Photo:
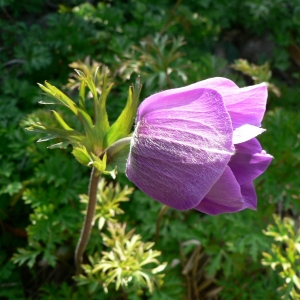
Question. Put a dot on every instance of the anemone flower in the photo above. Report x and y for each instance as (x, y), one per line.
(195, 147)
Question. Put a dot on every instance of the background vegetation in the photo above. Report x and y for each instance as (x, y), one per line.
(248, 255)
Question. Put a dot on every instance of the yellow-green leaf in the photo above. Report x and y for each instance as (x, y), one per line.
(122, 126)
(61, 121)
(82, 155)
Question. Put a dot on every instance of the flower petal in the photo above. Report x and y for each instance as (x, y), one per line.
(155, 100)
(249, 196)
(224, 197)
(245, 133)
(181, 145)
(249, 161)
(245, 105)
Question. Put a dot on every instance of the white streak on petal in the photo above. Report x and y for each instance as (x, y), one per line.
(245, 133)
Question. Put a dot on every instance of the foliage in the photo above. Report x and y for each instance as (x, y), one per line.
(89, 148)
(109, 198)
(281, 187)
(54, 218)
(285, 255)
(157, 59)
(257, 73)
(124, 263)
(42, 193)
(126, 259)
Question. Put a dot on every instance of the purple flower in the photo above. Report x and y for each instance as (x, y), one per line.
(195, 146)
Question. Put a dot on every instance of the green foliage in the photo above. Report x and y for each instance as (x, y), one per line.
(109, 199)
(90, 148)
(65, 291)
(158, 60)
(127, 263)
(54, 216)
(10, 281)
(284, 255)
(257, 73)
(281, 186)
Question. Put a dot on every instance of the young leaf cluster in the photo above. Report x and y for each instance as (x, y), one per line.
(109, 198)
(89, 147)
(127, 263)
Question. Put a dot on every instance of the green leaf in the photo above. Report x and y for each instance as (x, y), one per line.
(82, 95)
(118, 158)
(48, 137)
(99, 164)
(214, 264)
(119, 161)
(122, 126)
(101, 117)
(81, 155)
(58, 95)
(61, 145)
(73, 135)
(89, 82)
(93, 141)
(13, 188)
(61, 121)
(24, 255)
(95, 75)
(46, 102)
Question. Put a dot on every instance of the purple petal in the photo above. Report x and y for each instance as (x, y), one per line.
(224, 197)
(245, 105)
(249, 161)
(249, 196)
(215, 83)
(156, 99)
(181, 145)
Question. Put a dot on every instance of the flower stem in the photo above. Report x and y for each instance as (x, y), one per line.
(88, 221)
(90, 212)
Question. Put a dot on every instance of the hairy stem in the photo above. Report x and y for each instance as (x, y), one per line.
(88, 221)
(90, 212)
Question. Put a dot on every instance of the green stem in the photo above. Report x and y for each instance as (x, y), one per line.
(88, 221)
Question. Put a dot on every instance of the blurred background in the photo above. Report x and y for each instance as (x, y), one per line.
(139, 249)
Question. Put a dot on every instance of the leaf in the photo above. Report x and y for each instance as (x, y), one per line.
(73, 135)
(59, 96)
(61, 145)
(93, 141)
(81, 155)
(99, 164)
(89, 82)
(215, 264)
(118, 159)
(101, 117)
(61, 121)
(82, 95)
(46, 102)
(122, 126)
(24, 256)
(12, 188)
